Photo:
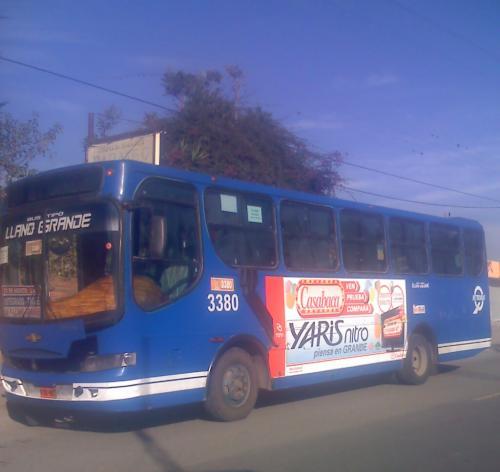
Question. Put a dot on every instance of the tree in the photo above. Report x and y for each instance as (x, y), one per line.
(212, 132)
(152, 121)
(20, 143)
(107, 120)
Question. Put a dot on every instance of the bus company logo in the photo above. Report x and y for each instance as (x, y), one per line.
(317, 298)
(420, 285)
(478, 299)
(33, 337)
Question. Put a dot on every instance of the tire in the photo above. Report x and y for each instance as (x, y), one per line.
(232, 387)
(417, 365)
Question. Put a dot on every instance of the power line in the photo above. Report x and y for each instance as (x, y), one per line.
(419, 202)
(140, 75)
(147, 102)
(421, 182)
(86, 83)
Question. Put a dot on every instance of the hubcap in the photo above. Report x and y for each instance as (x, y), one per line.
(236, 385)
(419, 360)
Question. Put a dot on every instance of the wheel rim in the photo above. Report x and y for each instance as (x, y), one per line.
(236, 384)
(419, 360)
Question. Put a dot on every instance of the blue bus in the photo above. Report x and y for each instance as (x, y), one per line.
(128, 287)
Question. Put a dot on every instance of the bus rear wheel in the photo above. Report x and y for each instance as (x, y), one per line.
(232, 386)
(418, 362)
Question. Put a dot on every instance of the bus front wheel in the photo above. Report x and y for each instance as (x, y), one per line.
(232, 386)
(418, 362)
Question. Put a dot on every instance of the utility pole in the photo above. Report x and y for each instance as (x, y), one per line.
(90, 133)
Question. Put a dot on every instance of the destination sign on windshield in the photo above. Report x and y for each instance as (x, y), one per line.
(55, 222)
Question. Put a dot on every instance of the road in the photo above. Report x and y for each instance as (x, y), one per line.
(450, 423)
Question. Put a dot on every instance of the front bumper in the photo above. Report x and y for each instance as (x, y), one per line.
(106, 391)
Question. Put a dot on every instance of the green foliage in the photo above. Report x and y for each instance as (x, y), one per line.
(20, 143)
(210, 132)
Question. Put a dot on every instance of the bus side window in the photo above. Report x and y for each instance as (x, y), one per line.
(446, 251)
(474, 251)
(309, 238)
(408, 248)
(241, 227)
(363, 241)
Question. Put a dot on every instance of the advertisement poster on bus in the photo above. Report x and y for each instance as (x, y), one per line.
(323, 323)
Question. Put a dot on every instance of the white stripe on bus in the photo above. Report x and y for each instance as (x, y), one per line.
(113, 390)
(128, 383)
(467, 345)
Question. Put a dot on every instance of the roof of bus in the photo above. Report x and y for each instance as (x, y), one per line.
(135, 167)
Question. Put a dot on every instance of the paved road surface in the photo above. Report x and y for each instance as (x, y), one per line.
(450, 423)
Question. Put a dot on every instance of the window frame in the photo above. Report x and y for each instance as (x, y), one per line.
(231, 191)
(334, 219)
(480, 231)
(96, 320)
(460, 248)
(386, 255)
(137, 202)
(425, 245)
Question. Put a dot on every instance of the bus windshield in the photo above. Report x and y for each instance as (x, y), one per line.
(59, 262)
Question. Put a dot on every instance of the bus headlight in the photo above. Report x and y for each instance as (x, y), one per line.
(110, 361)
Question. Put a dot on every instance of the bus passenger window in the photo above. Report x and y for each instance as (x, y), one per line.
(165, 247)
(363, 241)
(474, 251)
(241, 227)
(445, 249)
(408, 249)
(309, 239)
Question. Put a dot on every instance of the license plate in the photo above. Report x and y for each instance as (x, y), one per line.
(48, 392)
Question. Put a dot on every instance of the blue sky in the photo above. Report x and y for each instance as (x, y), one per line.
(408, 87)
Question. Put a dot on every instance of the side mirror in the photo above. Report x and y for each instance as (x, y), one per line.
(158, 237)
